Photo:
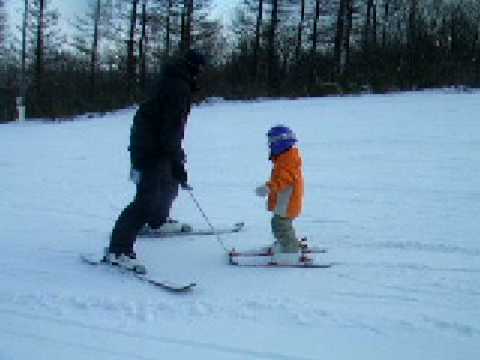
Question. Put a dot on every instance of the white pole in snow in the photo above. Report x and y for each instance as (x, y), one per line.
(20, 109)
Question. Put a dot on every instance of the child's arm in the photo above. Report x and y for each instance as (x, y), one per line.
(280, 180)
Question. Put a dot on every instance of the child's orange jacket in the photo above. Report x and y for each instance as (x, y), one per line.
(286, 184)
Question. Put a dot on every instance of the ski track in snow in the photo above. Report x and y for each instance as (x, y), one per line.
(64, 307)
(392, 195)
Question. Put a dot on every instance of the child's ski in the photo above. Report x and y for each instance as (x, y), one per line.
(267, 251)
(303, 245)
(166, 285)
(295, 266)
(270, 264)
(265, 260)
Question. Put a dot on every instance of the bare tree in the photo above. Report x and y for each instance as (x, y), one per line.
(169, 13)
(39, 67)
(249, 27)
(3, 26)
(369, 32)
(90, 33)
(94, 51)
(46, 37)
(316, 19)
(272, 37)
(301, 24)
(131, 58)
(23, 80)
(142, 47)
(347, 34)
(187, 24)
(344, 28)
(4, 113)
(197, 25)
(340, 34)
(386, 21)
(44, 46)
(258, 29)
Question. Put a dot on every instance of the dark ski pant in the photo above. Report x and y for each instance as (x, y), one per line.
(153, 200)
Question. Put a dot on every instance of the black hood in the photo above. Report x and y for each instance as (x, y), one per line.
(195, 60)
(178, 68)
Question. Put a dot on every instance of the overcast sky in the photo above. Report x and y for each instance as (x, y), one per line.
(69, 8)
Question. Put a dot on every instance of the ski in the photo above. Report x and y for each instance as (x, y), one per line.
(149, 233)
(263, 258)
(292, 266)
(165, 285)
(267, 251)
(267, 263)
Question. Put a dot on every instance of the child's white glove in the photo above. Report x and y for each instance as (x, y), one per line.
(262, 191)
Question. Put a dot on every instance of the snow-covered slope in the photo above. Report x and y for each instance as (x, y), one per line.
(392, 189)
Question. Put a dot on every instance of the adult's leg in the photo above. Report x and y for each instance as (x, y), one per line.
(137, 213)
(156, 192)
(126, 227)
(163, 194)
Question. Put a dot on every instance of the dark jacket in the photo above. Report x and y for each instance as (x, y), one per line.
(159, 124)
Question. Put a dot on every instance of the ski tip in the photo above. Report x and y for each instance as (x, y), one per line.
(191, 286)
(184, 288)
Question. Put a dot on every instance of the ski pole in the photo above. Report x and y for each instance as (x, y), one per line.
(205, 217)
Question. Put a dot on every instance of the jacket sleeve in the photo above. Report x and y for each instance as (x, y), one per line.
(281, 179)
(168, 114)
(177, 99)
(176, 113)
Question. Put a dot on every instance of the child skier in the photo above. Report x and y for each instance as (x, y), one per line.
(285, 193)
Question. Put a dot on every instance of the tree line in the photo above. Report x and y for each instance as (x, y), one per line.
(110, 55)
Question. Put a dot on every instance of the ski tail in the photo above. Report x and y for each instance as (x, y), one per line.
(170, 286)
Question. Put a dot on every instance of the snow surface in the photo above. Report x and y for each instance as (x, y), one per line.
(392, 189)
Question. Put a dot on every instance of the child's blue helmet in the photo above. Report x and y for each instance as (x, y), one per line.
(280, 139)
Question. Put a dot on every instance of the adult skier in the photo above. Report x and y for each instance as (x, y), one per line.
(157, 156)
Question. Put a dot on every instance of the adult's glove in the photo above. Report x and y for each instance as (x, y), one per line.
(180, 174)
(186, 186)
(262, 190)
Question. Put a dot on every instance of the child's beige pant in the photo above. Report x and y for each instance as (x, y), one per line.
(284, 233)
